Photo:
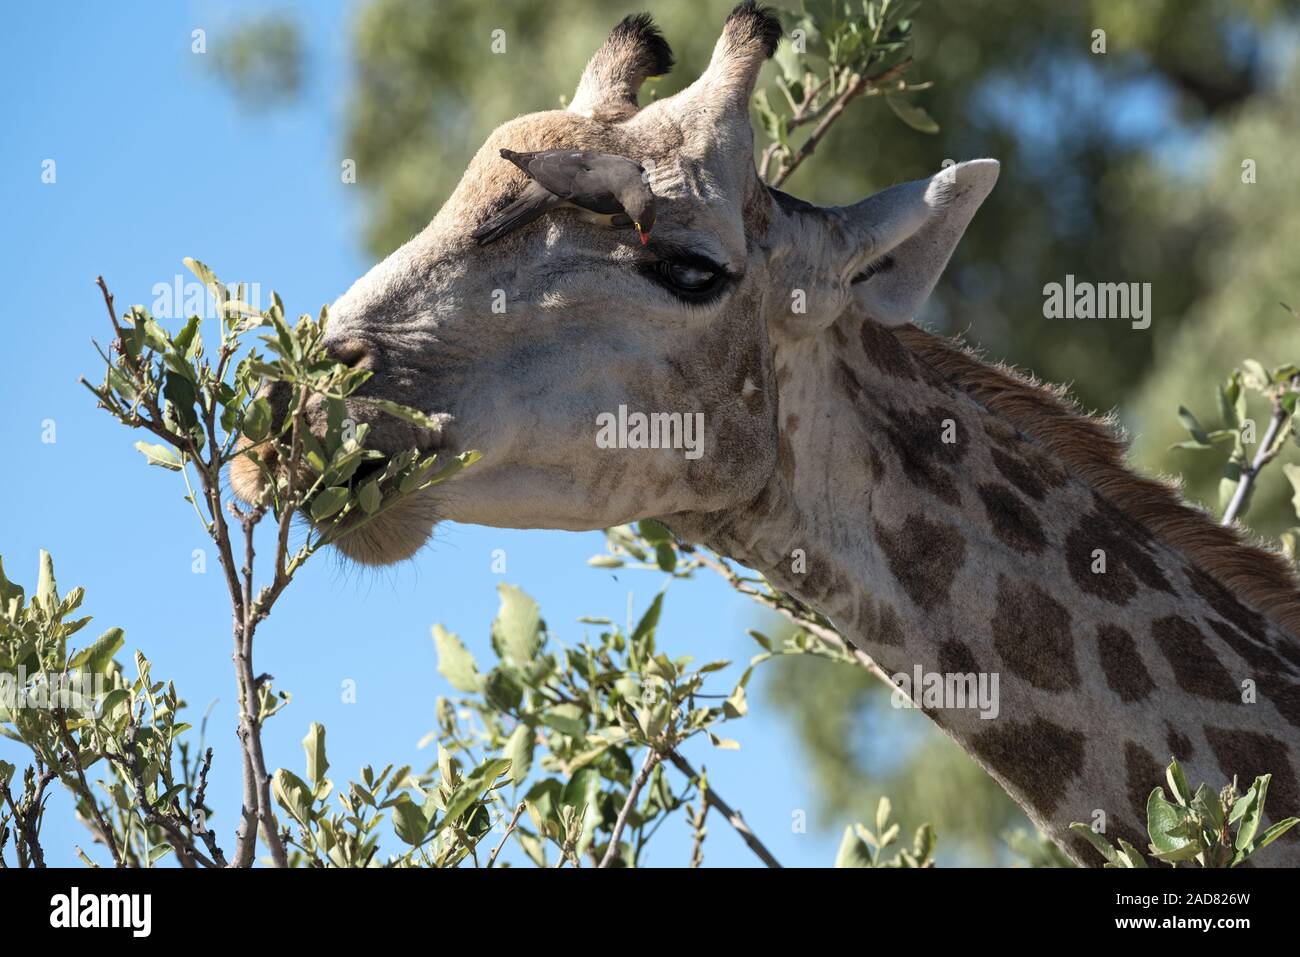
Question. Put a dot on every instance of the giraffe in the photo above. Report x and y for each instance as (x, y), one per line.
(945, 511)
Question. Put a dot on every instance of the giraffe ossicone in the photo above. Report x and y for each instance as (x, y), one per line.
(948, 512)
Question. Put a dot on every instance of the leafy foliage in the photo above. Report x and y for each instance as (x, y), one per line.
(79, 714)
(1212, 829)
(1280, 388)
(839, 50)
(863, 847)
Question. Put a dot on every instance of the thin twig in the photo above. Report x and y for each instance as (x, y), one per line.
(697, 822)
(857, 85)
(492, 858)
(207, 835)
(74, 756)
(733, 816)
(1263, 455)
(182, 844)
(652, 758)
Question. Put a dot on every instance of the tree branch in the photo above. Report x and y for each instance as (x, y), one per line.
(857, 85)
(733, 816)
(652, 758)
(492, 858)
(1263, 455)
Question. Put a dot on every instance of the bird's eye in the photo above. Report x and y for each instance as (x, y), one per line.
(691, 278)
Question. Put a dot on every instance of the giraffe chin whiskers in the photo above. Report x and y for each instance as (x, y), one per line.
(394, 535)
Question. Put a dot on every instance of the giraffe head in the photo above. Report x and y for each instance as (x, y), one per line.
(543, 350)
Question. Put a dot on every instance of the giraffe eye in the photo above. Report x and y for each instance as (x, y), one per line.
(691, 278)
(688, 277)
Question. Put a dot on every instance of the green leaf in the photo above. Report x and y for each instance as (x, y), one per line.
(257, 419)
(160, 455)
(516, 632)
(369, 497)
(519, 749)
(852, 852)
(1097, 841)
(503, 690)
(1130, 855)
(736, 705)
(1209, 805)
(882, 814)
(410, 822)
(473, 787)
(328, 501)
(1192, 425)
(923, 842)
(1273, 833)
(407, 414)
(47, 590)
(1177, 783)
(645, 628)
(1292, 473)
(1253, 814)
(293, 795)
(99, 656)
(188, 342)
(314, 745)
(1241, 806)
(1255, 376)
(911, 114)
(158, 852)
(455, 663)
(205, 275)
(654, 532)
(665, 557)
(566, 719)
(1228, 486)
(1164, 825)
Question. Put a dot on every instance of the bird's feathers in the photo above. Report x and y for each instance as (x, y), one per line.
(533, 202)
(595, 182)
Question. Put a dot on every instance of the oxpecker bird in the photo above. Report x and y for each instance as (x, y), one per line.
(612, 190)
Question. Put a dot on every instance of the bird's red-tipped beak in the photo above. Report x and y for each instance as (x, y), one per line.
(645, 236)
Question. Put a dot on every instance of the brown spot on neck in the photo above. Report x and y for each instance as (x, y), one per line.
(1031, 632)
(924, 556)
(1037, 758)
(1011, 519)
(1142, 773)
(1125, 672)
(1196, 668)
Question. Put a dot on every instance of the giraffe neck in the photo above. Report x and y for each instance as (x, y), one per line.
(936, 534)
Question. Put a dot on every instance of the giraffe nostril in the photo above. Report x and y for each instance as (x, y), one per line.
(353, 353)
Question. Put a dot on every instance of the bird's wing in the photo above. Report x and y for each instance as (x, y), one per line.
(586, 179)
(532, 203)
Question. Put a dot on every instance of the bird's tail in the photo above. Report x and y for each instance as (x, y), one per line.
(519, 213)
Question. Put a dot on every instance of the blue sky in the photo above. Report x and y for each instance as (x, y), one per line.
(155, 162)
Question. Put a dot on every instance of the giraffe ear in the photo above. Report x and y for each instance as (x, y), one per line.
(898, 241)
(749, 39)
(634, 51)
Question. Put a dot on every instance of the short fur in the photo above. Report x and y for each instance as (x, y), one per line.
(1093, 448)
